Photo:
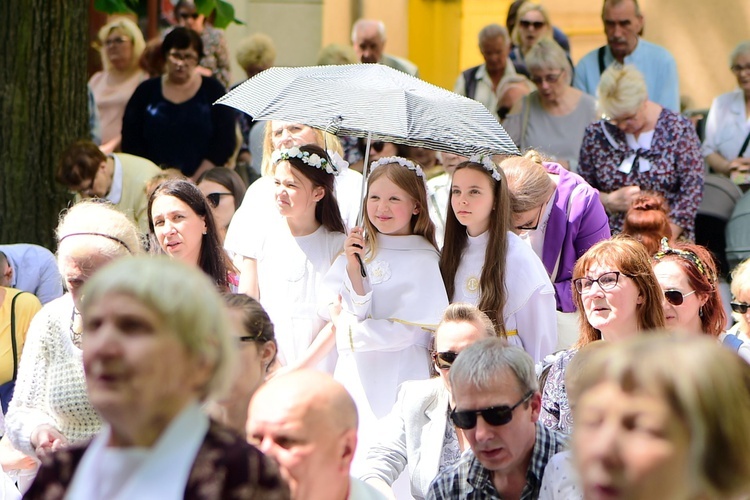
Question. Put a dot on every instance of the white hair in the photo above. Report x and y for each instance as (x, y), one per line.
(479, 365)
(361, 23)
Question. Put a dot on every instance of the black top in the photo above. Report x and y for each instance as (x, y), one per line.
(179, 135)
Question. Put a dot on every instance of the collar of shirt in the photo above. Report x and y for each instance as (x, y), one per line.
(115, 191)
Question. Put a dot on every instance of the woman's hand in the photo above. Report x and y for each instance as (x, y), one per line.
(46, 439)
(619, 200)
(355, 246)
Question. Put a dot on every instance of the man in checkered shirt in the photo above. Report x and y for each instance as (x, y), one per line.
(497, 404)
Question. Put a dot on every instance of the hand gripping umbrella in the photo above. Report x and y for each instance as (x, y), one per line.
(374, 102)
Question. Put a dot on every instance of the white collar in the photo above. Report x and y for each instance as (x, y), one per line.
(162, 474)
(115, 191)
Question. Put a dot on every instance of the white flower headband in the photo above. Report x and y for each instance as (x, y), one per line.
(488, 164)
(387, 160)
(313, 160)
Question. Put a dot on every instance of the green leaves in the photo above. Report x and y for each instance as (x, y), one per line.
(224, 10)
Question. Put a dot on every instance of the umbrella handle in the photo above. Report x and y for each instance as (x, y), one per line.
(361, 264)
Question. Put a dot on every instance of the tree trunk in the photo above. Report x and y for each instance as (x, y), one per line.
(43, 105)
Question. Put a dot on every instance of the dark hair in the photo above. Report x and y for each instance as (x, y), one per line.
(227, 178)
(327, 211)
(492, 291)
(255, 320)
(213, 260)
(79, 163)
(647, 220)
(182, 38)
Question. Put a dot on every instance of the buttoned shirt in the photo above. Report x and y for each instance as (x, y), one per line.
(470, 480)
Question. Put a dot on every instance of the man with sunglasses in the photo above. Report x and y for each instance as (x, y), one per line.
(497, 405)
(118, 178)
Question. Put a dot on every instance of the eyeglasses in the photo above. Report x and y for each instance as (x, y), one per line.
(737, 69)
(443, 360)
(739, 307)
(528, 24)
(377, 146)
(496, 415)
(185, 15)
(536, 224)
(549, 78)
(606, 281)
(115, 41)
(179, 58)
(215, 198)
(676, 297)
(85, 192)
(622, 120)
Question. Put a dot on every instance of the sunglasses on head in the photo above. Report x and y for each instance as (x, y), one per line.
(676, 297)
(215, 198)
(495, 415)
(185, 15)
(444, 360)
(740, 307)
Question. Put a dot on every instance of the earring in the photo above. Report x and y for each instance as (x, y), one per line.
(700, 312)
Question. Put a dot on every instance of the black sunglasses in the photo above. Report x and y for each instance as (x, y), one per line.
(185, 15)
(215, 198)
(496, 415)
(536, 24)
(444, 360)
(739, 307)
(676, 297)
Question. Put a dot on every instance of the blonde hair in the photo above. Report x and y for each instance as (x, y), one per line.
(706, 386)
(741, 278)
(525, 8)
(132, 31)
(256, 50)
(325, 140)
(528, 181)
(621, 91)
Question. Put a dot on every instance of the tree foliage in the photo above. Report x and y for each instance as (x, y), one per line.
(224, 10)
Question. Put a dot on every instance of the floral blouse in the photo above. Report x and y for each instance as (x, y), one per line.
(556, 413)
(676, 166)
(216, 54)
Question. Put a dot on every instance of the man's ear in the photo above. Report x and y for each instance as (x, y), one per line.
(7, 276)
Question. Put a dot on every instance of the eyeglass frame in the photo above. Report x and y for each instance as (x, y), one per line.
(120, 40)
(501, 412)
(210, 198)
(682, 296)
(438, 357)
(186, 16)
(737, 69)
(536, 225)
(180, 58)
(550, 78)
(739, 306)
(577, 281)
(537, 25)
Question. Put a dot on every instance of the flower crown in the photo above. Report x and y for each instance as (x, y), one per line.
(667, 250)
(313, 159)
(387, 160)
(486, 161)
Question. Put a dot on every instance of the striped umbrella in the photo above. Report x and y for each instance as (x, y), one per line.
(374, 102)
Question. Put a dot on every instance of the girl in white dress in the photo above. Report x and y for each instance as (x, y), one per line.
(383, 326)
(288, 260)
(485, 264)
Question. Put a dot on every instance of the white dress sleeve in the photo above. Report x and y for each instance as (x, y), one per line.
(387, 458)
(354, 335)
(536, 323)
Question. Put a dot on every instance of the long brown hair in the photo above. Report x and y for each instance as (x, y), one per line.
(492, 291)
(414, 185)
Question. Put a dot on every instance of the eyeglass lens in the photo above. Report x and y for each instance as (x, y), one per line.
(536, 24)
(740, 307)
(606, 281)
(674, 297)
(444, 360)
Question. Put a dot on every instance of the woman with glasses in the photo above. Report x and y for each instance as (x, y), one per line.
(740, 288)
(418, 433)
(692, 303)
(727, 136)
(532, 25)
(640, 146)
(552, 119)
(224, 190)
(617, 297)
(559, 216)
(215, 59)
(122, 44)
(171, 120)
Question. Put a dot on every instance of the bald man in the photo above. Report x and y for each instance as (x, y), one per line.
(308, 423)
(368, 40)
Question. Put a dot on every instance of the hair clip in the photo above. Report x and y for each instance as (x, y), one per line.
(667, 250)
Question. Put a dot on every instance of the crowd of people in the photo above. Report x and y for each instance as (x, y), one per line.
(233, 310)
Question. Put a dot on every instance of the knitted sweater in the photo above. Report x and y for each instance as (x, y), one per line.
(51, 387)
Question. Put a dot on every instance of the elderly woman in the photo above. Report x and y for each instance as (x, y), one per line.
(180, 219)
(215, 59)
(50, 408)
(725, 146)
(224, 190)
(641, 146)
(617, 297)
(417, 433)
(740, 288)
(171, 120)
(157, 442)
(552, 119)
(560, 216)
(650, 424)
(121, 47)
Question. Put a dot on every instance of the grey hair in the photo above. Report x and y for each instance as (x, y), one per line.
(612, 3)
(547, 54)
(479, 365)
(364, 22)
(741, 49)
(492, 31)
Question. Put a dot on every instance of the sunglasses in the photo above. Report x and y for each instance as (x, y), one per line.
(215, 198)
(739, 307)
(496, 415)
(443, 360)
(528, 24)
(185, 15)
(676, 297)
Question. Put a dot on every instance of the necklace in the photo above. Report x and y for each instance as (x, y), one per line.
(76, 327)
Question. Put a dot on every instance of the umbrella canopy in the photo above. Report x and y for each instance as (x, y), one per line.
(372, 101)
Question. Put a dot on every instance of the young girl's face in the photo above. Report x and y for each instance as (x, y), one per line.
(472, 199)
(390, 208)
(295, 193)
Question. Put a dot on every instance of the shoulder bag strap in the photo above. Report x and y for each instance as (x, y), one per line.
(13, 343)
(600, 55)
(744, 146)
(470, 81)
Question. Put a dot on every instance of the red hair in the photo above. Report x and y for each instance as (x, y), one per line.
(647, 220)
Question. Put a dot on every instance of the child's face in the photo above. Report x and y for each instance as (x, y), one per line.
(472, 199)
(390, 208)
